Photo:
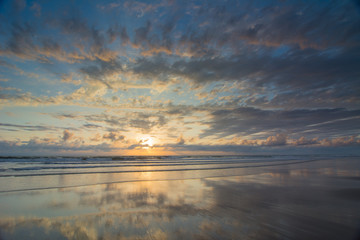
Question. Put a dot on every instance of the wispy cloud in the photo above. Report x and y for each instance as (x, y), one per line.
(247, 121)
(17, 127)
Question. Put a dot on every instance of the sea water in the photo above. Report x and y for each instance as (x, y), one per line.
(180, 197)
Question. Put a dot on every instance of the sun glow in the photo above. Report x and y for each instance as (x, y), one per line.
(147, 142)
(148, 145)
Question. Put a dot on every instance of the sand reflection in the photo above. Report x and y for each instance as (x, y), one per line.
(275, 203)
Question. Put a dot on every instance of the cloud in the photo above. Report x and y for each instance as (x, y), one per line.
(147, 121)
(19, 98)
(18, 127)
(89, 95)
(275, 144)
(29, 42)
(141, 35)
(180, 140)
(89, 125)
(22, 44)
(277, 140)
(96, 42)
(118, 32)
(6, 64)
(36, 8)
(326, 142)
(107, 119)
(51, 147)
(19, 5)
(144, 121)
(271, 76)
(271, 25)
(267, 80)
(341, 141)
(102, 72)
(269, 146)
(113, 136)
(139, 8)
(152, 44)
(69, 78)
(67, 135)
(20, 41)
(216, 28)
(245, 121)
(304, 141)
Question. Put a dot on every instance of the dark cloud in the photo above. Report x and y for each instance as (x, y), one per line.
(65, 115)
(107, 119)
(118, 32)
(245, 121)
(155, 68)
(75, 25)
(87, 38)
(19, 5)
(67, 135)
(79, 40)
(24, 41)
(304, 141)
(101, 70)
(142, 35)
(326, 142)
(238, 26)
(305, 25)
(306, 75)
(17, 127)
(146, 122)
(113, 136)
(20, 41)
(89, 125)
(150, 42)
(272, 145)
(36, 8)
(297, 54)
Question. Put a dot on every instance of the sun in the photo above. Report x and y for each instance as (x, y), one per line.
(147, 142)
(150, 142)
(148, 145)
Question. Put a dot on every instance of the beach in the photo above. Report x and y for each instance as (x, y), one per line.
(180, 197)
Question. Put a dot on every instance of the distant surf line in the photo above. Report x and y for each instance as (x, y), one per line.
(161, 164)
(156, 170)
(144, 180)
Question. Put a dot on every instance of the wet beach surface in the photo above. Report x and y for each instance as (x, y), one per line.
(294, 198)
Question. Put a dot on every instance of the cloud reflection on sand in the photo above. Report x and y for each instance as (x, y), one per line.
(302, 202)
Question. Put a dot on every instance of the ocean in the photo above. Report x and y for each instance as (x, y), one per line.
(180, 197)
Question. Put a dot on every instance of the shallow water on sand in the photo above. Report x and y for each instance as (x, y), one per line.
(229, 197)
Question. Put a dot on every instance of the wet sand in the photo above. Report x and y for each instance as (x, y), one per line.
(303, 200)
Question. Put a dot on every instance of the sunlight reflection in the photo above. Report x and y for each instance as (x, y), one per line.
(227, 207)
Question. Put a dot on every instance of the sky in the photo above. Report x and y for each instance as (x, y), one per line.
(174, 77)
